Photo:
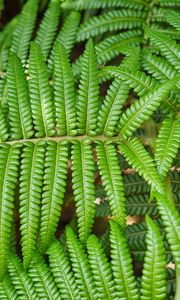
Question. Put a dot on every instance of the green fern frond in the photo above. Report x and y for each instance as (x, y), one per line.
(9, 157)
(64, 94)
(92, 4)
(88, 93)
(121, 262)
(101, 269)
(111, 21)
(140, 159)
(23, 32)
(66, 36)
(83, 187)
(20, 117)
(171, 220)
(134, 184)
(48, 27)
(139, 205)
(142, 109)
(31, 182)
(110, 110)
(173, 18)
(169, 3)
(7, 290)
(158, 67)
(167, 46)
(22, 283)
(112, 180)
(43, 280)
(80, 266)
(63, 275)
(40, 93)
(153, 284)
(167, 144)
(5, 42)
(136, 235)
(55, 176)
(3, 125)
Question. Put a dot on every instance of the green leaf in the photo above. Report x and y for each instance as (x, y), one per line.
(43, 280)
(40, 93)
(125, 282)
(9, 157)
(111, 108)
(48, 27)
(142, 109)
(173, 18)
(167, 145)
(20, 116)
(112, 180)
(83, 187)
(63, 275)
(23, 285)
(111, 21)
(101, 269)
(88, 93)
(31, 182)
(80, 266)
(64, 94)
(55, 177)
(23, 32)
(153, 285)
(140, 159)
(7, 290)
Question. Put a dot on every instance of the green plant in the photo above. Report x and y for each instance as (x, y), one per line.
(94, 137)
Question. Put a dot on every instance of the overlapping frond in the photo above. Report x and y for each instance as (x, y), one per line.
(154, 269)
(111, 21)
(112, 180)
(167, 145)
(9, 157)
(48, 27)
(24, 29)
(173, 18)
(55, 176)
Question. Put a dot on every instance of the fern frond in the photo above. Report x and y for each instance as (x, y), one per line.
(88, 94)
(31, 181)
(111, 21)
(3, 125)
(64, 94)
(5, 42)
(142, 109)
(20, 117)
(22, 283)
(136, 235)
(55, 176)
(153, 284)
(112, 180)
(61, 270)
(171, 220)
(121, 262)
(43, 280)
(139, 205)
(140, 159)
(167, 144)
(48, 27)
(7, 290)
(66, 36)
(80, 266)
(110, 110)
(135, 184)
(40, 93)
(173, 18)
(23, 32)
(101, 269)
(167, 46)
(158, 67)
(9, 157)
(92, 4)
(83, 187)
(169, 3)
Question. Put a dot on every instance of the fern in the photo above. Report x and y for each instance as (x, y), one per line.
(110, 21)
(47, 29)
